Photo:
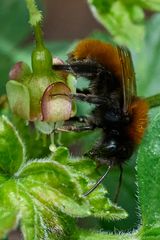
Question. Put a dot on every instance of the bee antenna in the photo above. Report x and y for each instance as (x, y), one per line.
(98, 182)
(119, 184)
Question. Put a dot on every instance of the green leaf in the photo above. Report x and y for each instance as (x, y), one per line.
(147, 62)
(148, 168)
(44, 195)
(105, 236)
(151, 5)
(128, 191)
(125, 23)
(84, 171)
(8, 218)
(36, 143)
(11, 148)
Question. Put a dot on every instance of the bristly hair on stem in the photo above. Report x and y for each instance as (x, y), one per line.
(35, 15)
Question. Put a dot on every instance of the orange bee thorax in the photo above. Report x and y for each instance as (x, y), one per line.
(102, 53)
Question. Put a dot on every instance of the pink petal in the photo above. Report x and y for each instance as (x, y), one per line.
(56, 103)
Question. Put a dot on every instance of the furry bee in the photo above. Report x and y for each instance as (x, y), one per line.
(118, 112)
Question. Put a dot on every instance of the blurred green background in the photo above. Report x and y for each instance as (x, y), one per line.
(64, 24)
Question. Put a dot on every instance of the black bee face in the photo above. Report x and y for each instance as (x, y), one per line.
(110, 148)
(103, 153)
(111, 151)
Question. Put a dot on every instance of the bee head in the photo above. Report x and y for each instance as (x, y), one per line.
(112, 151)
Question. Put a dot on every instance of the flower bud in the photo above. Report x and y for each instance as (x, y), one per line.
(19, 71)
(42, 94)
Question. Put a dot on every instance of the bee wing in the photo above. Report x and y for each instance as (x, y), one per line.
(128, 77)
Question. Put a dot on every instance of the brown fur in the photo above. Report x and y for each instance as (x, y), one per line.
(102, 53)
(138, 110)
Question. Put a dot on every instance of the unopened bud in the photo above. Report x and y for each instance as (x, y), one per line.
(57, 60)
(19, 71)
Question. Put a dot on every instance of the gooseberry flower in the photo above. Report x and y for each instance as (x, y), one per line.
(40, 93)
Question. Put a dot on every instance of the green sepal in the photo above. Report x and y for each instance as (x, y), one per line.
(19, 71)
(19, 99)
(44, 127)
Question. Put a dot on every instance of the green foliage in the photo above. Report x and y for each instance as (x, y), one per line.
(11, 37)
(44, 195)
(36, 143)
(103, 236)
(147, 61)
(148, 169)
(8, 152)
(124, 19)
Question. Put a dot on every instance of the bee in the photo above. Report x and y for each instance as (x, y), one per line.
(118, 111)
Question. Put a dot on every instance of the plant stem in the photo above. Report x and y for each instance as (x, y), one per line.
(35, 18)
(38, 36)
(153, 101)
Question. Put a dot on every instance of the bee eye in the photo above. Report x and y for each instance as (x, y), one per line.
(111, 147)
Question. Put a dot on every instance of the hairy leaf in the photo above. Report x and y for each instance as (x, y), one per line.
(11, 148)
(124, 22)
(147, 62)
(104, 236)
(148, 167)
(124, 19)
(45, 195)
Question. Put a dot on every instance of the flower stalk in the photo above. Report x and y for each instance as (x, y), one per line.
(38, 36)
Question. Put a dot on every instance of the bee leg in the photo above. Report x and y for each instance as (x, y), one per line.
(84, 91)
(77, 119)
(87, 69)
(119, 184)
(90, 98)
(75, 128)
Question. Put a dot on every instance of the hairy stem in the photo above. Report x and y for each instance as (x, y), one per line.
(153, 101)
(35, 15)
(38, 36)
(35, 18)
